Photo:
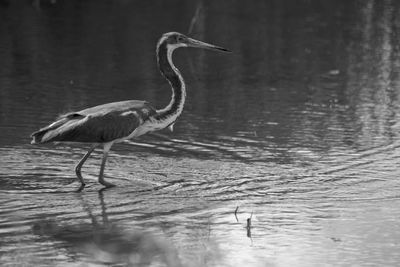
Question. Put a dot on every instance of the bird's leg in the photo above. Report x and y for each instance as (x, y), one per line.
(107, 147)
(79, 166)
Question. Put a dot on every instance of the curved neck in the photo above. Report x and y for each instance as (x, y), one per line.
(174, 77)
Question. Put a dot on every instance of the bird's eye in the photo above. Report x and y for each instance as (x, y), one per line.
(179, 39)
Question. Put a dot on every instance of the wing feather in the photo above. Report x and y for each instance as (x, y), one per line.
(95, 129)
(99, 124)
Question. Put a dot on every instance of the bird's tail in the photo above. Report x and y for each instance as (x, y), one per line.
(36, 137)
(42, 136)
(48, 133)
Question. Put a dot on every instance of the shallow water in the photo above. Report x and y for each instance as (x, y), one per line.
(286, 154)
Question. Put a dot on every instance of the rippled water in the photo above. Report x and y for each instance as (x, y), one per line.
(286, 154)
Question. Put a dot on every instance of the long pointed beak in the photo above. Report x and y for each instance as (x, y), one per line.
(199, 44)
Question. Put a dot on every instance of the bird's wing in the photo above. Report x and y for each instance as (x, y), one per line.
(138, 105)
(99, 124)
(98, 128)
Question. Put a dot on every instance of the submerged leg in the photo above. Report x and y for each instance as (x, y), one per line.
(79, 166)
(107, 147)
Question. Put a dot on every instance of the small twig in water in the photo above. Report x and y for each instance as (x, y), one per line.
(236, 210)
(248, 227)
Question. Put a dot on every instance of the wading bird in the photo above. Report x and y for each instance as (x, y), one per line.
(118, 121)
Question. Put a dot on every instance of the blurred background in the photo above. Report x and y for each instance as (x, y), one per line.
(286, 153)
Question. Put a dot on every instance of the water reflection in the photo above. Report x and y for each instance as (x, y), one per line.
(372, 89)
(105, 242)
(298, 128)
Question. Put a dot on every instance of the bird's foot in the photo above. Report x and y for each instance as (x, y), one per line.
(76, 186)
(107, 184)
(80, 188)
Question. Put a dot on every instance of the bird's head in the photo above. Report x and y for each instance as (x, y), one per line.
(175, 39)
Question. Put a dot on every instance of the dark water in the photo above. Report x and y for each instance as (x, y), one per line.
(297, 130)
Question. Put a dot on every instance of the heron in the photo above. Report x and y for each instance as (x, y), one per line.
(111, 123)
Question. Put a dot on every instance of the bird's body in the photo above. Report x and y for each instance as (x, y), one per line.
(112, 122)
(115, 122)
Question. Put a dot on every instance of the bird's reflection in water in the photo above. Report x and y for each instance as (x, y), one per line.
(108, 243)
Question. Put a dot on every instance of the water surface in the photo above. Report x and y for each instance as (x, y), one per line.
(295, 132)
